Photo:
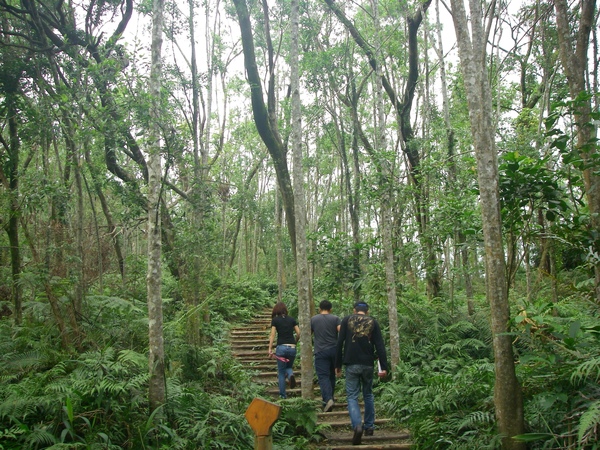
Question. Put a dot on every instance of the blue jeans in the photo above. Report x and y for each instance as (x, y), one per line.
(325, 369)
(284, 368)
(359, 378)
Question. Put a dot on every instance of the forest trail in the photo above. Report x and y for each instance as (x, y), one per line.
(250, 344)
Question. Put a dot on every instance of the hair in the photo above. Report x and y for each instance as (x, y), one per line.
(279, 309)
(361, 306)
(325, 305)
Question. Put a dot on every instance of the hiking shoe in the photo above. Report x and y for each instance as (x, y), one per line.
(369, 431)
(292, 381)
(328, 405)
(358, 432)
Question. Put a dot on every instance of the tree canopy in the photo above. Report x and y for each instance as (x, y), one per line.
(435, 159)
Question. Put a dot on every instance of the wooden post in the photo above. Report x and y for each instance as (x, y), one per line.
(261, 415)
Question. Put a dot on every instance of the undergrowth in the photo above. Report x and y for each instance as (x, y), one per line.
(444, 386)
(96, 397)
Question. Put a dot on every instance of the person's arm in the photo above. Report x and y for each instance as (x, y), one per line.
(339, 354)
(380, 347)
(271, 339)
(297, 330)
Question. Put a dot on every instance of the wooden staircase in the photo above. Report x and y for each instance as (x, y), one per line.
(250, 343)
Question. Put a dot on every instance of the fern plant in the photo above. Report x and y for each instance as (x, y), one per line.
(443, 388)
(559, 354)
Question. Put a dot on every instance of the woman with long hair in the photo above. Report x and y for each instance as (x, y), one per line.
(284, 327)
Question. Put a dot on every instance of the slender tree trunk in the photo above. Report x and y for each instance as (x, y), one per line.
(472, 49)
(191, 275)
(12, 227)
(574, 61)
(79, 237)
(265, 118)
(386, 203)
(459, 237)
(303, 280)
(280, 262)
(110, 223)
(156, 357)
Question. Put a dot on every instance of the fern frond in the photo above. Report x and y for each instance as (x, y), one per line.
(17, 406)
(475, 418)
(21, 362)
(133, 358)
(428, 427)
(39, 437)
(589, 421)
(587, 369)
(463, 329)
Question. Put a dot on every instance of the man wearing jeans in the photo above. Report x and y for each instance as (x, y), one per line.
(359, 340)
(325, 327)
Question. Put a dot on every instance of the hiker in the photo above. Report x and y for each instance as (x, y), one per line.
(285, 350)
(359, 339)
(325, 327)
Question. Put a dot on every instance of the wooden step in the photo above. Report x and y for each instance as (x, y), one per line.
(385, 439)
(249, 344)
(345, 422)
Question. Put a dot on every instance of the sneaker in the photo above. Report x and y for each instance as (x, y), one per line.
(328, 405)
(292, 381)
(358, 432)
(369, 431)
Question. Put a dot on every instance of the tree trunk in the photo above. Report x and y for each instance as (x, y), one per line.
(459, 237)
(303, 280)
(386, 204)
(110, 223)
(156, 357)
(280, 263)
(265, 118)
(403, 110)
(574, 61)
(12, 226)
(472, 48)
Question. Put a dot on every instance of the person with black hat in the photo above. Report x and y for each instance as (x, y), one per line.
(359, 342)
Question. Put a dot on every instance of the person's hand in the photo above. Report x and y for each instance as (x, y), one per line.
(270, 353)
(338, 372)
(382, 374)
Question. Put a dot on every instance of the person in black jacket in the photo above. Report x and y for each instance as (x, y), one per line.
(358, 342)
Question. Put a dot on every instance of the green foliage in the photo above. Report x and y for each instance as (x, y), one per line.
(336, 258)
(526, 186)
(559, 361)
(297, 424)
(97, 398)
(444, 385)
(239, 301)
(589, 425)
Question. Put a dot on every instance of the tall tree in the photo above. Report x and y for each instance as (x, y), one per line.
(573, 49)
(11, 72)
(387, 198)
(454, 186)
(302, 275)
(266, 118)
(402, 107)
(156, 357)
(508, 399)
